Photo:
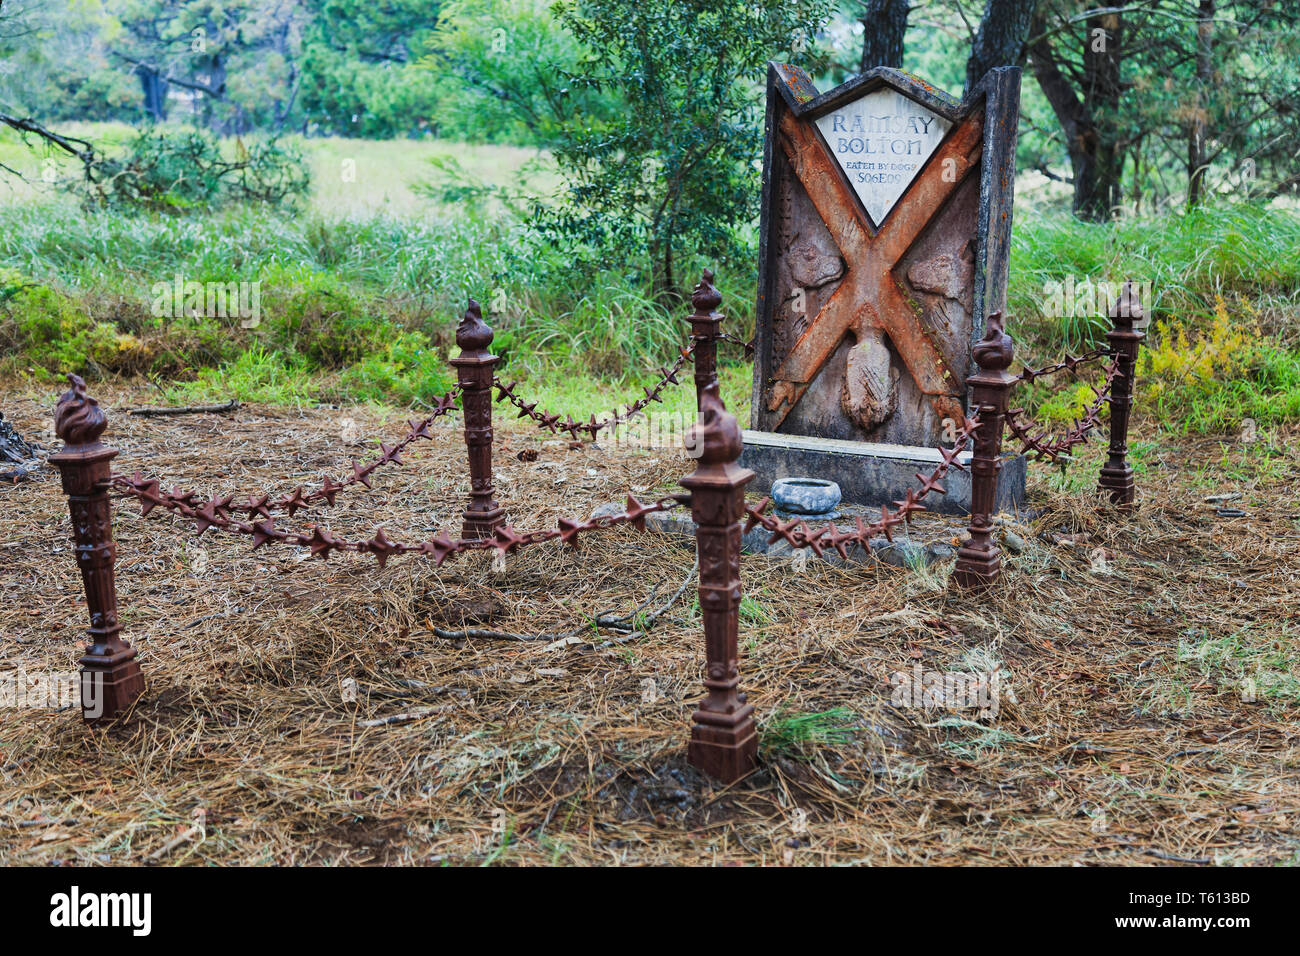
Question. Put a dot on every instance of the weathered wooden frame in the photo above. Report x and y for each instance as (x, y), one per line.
(794, 104)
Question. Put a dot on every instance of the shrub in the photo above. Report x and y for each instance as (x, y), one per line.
(165, 170)
(1215, 380)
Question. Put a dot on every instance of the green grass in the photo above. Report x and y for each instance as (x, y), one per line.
(254, 376)
(582, 396)
(1188, 259)
(1256, 666)
(351, 178)
(1266, 390)
(792, 733)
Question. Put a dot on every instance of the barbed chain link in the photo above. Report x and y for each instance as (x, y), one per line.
(592, 427)
(1041, 444)
(216, 513)
(797, 533)
(747, 346)
(1070, 362)
(149, 490)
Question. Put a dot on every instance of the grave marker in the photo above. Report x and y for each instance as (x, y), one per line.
(885, 233)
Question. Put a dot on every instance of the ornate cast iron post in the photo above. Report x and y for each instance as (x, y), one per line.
(706, 326)
(979, 561)
(724, 742)
(1117, 474)
(474, 372)
(110, 674)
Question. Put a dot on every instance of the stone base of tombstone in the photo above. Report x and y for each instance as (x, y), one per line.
(871, 474)
(906, 550)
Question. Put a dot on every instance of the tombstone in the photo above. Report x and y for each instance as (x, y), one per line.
(885, 234)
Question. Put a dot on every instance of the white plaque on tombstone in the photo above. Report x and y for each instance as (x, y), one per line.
(881, 141)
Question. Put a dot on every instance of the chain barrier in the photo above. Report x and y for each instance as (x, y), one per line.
(1070, 362)
(547, 420)
(149, 490)
(217, 513)
(798, 534)
(1041, 445)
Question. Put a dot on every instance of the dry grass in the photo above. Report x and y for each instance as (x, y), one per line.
(1124, 737)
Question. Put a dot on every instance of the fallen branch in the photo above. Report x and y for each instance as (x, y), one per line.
(79, 148)
(1177, 859)
(229, 406)
(407, 717)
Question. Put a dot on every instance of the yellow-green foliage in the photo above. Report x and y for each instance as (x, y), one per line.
(1171, 357)
(1217, 378)
(47, 331)
(1199, 380)
(1069, 404)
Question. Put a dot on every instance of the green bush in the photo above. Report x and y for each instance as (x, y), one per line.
(168, 170)
(47, 329)
(406, 371)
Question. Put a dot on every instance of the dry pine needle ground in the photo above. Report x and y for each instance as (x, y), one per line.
(1150, 673)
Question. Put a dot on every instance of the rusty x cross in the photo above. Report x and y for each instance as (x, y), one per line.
(871, 261)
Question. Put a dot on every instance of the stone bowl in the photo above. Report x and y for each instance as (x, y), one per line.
(815, 497)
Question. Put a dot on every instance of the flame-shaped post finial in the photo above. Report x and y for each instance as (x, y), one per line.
(994, 352)
(473, 334)
(706, 298)
(1126, 311)
(716, 436)
(78, 419)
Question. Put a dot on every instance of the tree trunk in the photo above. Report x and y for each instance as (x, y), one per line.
(216, 90)
(1101, 64)
(663, 282)
(884, 25)
(154, 88)
(1196, 158)
(1004, 28)
(1089, 122)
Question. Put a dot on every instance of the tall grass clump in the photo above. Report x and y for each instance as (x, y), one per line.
(1238, 252)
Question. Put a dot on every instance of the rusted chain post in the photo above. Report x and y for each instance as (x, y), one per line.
(724, 743)
(474, 372)
(1125, 340)
(706, 327)
(110, 675)
(979, 561)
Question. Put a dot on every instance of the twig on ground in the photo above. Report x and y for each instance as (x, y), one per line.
(419, 714)
(218, 408)
(1177, 859)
